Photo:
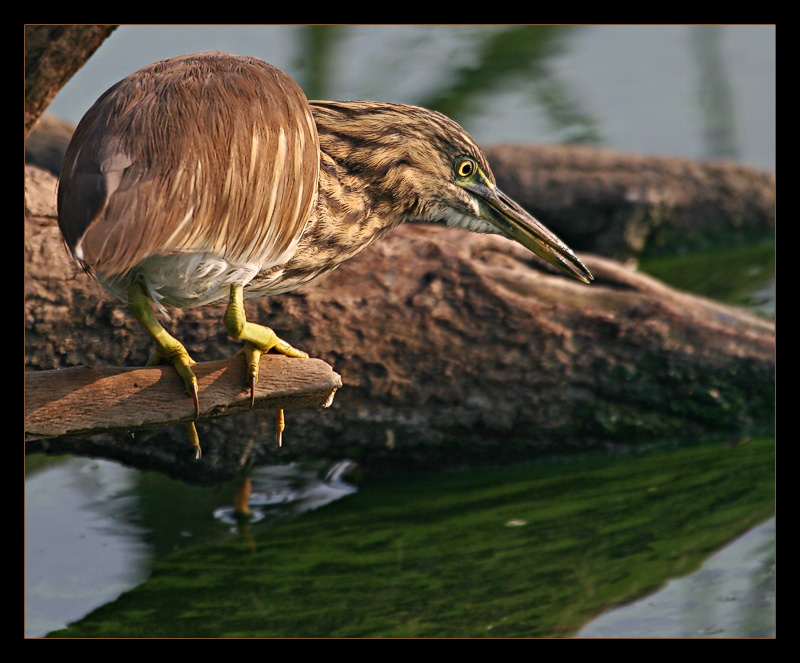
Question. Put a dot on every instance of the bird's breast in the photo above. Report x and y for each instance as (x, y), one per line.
(183, 280)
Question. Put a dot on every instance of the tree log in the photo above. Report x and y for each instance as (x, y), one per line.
(53, 53)
(453, 348)
(624, 206)
(91, 401)
(620, 206)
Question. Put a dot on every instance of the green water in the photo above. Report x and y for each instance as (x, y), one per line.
(741, 276)
(524, 551)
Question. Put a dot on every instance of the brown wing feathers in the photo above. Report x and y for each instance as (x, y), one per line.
(192, 155)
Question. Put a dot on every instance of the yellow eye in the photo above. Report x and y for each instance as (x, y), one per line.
(466, 167)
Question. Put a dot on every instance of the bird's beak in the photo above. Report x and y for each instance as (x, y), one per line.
(508, 217)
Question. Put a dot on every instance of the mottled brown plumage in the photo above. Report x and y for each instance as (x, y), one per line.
(181, 142)
(210, 175)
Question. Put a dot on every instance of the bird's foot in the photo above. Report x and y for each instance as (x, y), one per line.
(255, 347)
(168, 349)
(182, 362)
(178, 356)
(258, 339)
(253, 354)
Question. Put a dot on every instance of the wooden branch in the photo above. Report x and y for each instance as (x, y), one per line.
(87, 401)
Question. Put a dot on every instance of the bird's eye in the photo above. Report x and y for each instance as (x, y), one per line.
(465, 167)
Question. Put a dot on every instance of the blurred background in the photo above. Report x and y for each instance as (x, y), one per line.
(533, 551)
(705, 91)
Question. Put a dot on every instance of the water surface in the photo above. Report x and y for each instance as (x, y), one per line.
(533, 551)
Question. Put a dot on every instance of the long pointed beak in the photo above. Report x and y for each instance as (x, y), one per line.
(502, 212)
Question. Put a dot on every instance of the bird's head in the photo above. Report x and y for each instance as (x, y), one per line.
(423, 166)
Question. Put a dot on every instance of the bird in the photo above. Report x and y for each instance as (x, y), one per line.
(210, 175)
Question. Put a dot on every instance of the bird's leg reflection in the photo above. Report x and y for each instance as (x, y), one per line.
(258, 339)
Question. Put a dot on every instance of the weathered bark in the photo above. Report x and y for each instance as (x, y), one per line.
(452, 348)
(53, 53)
(89, 401)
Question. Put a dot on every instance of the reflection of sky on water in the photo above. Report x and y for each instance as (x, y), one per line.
(83, 546)
(763, 300)
(100, 552)
(731, 596)
(690, 91)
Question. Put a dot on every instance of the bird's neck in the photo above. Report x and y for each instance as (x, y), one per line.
(364, 190)
(349, 216)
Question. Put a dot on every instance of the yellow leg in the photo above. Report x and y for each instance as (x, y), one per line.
(194, 438)
(168, 348)
(258, 339)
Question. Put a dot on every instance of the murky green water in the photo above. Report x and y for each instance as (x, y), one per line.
(742, 276)
(531, 551)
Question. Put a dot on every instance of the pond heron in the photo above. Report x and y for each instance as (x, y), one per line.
(211, 175)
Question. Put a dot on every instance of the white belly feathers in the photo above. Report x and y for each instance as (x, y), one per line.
(183, 280)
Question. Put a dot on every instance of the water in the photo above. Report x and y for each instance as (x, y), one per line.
(731, 596)
(94, 528)
(690, 91)
(533, 550)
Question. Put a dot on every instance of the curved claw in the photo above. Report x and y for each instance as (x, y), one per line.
(182, 362)
(194, 393)
(253, 355)
(258, 339)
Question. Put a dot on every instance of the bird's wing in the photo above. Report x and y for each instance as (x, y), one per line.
(204, 153)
